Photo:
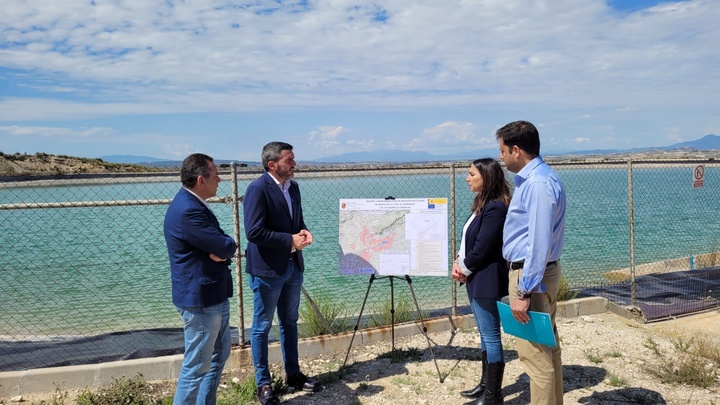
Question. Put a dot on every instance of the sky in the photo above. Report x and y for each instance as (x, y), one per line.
(170, 78)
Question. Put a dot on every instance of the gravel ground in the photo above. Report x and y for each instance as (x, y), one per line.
(606, 360)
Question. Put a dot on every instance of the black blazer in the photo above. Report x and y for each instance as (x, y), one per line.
(269, 227)
(483, 253)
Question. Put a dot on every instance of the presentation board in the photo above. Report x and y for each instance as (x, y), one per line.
(394, 237)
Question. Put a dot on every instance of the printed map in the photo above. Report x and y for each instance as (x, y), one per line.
(393, 237)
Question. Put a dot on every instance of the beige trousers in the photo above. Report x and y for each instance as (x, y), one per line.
(542, 363)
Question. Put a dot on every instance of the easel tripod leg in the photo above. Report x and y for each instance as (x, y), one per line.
(357, 323)
(424, 328)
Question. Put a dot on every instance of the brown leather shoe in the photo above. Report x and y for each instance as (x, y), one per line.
(300, 381)
(266, 396)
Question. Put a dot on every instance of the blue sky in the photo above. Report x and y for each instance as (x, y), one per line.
(165, 79)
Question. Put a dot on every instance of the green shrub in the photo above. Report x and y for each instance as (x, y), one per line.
(130, 391)
(565, 293)
(693, 362)
(404, 312)
(411, 354)
(242, 392)
(334, 313)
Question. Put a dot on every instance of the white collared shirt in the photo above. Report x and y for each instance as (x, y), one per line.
(285, 188)
(198, 197)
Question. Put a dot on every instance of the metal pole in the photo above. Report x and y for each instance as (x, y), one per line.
(392, 313)
(238, 255)
(631, 221)
(453, 242)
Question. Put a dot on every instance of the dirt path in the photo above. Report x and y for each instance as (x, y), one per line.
(606, 360)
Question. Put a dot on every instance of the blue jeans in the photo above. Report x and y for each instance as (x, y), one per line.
(207, 347)
(487, 320)
(269, 294)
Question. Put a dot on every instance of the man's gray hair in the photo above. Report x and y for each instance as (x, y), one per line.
(272, 152)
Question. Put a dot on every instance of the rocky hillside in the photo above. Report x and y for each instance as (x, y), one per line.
(41, 164)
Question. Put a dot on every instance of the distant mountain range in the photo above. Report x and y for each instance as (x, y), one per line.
(163, 163)
(708, 142)
(130, 159)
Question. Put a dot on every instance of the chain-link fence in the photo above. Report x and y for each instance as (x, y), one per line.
(85, 274)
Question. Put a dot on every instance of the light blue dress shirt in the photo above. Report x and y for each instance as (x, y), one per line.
(534, 229)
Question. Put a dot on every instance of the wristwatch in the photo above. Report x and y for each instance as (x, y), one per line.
(523, 295)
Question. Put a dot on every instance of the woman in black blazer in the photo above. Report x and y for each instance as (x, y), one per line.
(480, 265)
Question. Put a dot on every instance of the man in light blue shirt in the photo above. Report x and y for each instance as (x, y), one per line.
(532, 243)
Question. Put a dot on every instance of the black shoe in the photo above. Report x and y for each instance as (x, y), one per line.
(302, 382)
(493, 390)
(474, 392)
(480, 388)
(266, 396)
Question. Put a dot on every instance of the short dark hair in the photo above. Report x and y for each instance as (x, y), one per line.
(193, 166)
(522, 134)
(272, 151)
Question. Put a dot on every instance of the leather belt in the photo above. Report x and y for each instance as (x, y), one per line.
(519, 265)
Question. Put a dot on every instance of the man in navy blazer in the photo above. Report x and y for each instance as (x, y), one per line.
(200, 253)
(276, 234)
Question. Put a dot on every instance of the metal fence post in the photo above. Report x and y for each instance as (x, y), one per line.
(453, 217)
(631, 222)
(238, 255)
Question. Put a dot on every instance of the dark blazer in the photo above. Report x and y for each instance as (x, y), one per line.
(192, 232)
(269, 227)
(483, 253)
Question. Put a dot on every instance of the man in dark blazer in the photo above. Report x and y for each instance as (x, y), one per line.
(199, 254)
(276, 234)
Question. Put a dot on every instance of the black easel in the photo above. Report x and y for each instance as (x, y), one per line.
(392, 318)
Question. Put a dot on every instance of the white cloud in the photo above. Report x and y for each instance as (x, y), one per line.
(58, 132)
(673, 135)
(326, 138)
(178, 151)
(422, 52)
(582, 140)
(579, 63)
(362, 144)
(449, 135)
(332, 140)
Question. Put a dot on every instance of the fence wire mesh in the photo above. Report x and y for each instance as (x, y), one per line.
(85, 274)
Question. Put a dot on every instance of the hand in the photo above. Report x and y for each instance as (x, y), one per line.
(457, 274)
(519, 309)
(216, 258)
(302, 239)
(308, 236)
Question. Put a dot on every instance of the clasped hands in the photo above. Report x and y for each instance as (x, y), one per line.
(457, 274)
(302, 239)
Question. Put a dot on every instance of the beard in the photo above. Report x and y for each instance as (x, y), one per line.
(285, 173)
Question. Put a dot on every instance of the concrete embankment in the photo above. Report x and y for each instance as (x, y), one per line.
(14, 383)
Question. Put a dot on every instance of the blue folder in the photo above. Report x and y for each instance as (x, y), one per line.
(538, 330)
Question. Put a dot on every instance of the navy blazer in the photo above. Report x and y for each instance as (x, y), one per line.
(483, 253)
(192, 232)
(269, 227)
